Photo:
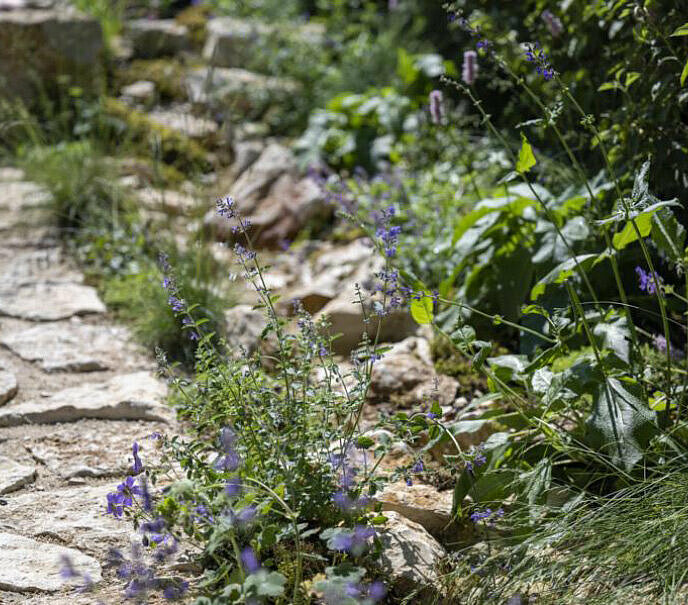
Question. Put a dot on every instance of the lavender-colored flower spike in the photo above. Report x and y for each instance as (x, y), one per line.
(469, 70)
(552, 22)
(436, 107)
(249, 560)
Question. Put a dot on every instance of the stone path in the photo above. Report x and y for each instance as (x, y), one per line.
(74, 394)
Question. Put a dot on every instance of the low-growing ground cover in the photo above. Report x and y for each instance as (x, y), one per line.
(431, 347)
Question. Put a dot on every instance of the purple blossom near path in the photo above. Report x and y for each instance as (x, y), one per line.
(436, 107)
(469, 69)
(249, 560)
(552, 22)
(138, 465)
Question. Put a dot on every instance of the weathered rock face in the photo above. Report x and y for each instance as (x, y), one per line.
(128, 397)
(167, 201)
(38, 46)
(142, 91)
(67, 347)
(235, 43)
(405, 375)
(422, 504)
(27, 565)
(14, 476)
(23, 206)
(409, 553)
(152, 38)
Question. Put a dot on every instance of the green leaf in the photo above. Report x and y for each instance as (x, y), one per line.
(628, 234)
(615, 337)
(681, 31)
(364, 442)
(668, 234)
(265, 584)
(562, 272)
(526, 159)
(621, 424)
(421, 310)
(684, 73)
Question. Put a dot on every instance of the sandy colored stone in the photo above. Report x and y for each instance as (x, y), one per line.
(45, 301)
(409, 553)
(75, 516)
(157, 37)
(167, 201)
(8, 385)
(184, 122)
(75, 450)
(14, 476)
(27, 565)
(66, 346)
(128, 397)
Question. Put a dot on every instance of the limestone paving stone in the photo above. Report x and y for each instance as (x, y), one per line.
(8, 385)
(183, 121)
(27, 565)
(76, 516)
(68, 346)
(126, 397)
(92, 448)
(45, 301)
(14, 476)
(20, 267)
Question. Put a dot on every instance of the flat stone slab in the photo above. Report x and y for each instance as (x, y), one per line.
(127, 397)
(22, 204)
(184, 122)
(27, 565)
(74, 516)
(66, 347)
(8, 386)
(43, 301)
(14, 476)
(75, 451)
(20, 267)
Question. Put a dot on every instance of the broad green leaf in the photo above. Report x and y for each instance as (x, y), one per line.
(631, 77)
(614, 336)
(526, 158)
(628, 234)
(681, 31)
(684, 73)
(421, 310)
(265, 584)
(562, 272)
(621, 424)
(668, 234)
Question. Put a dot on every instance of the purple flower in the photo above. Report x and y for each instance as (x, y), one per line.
(226, 207)
(249, 560)
(436, 107)
(246, 514)
(377, 591)
(175, 303)
(537, 56)
(227, 439)
(647, 282)
(431, 415)
(117, 501)
(418, 467)
(227, 463)
(174, 591)
(409, 481)
(552, 22)
(233, 488)
(469, 69)
(138, 465)
(67, 569)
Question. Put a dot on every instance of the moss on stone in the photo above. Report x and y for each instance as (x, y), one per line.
(167, 75)
(175, 149)
(451, 362)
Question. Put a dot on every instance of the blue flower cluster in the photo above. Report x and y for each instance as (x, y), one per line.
(487, 516)
(174, 300)
(648, 283)
(537, 56)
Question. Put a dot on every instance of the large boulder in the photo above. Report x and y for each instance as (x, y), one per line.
(152, 38)
(37, 47)
(236, 43)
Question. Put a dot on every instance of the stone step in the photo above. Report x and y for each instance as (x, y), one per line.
(237, 43)
(128, 397)
(27, 565)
